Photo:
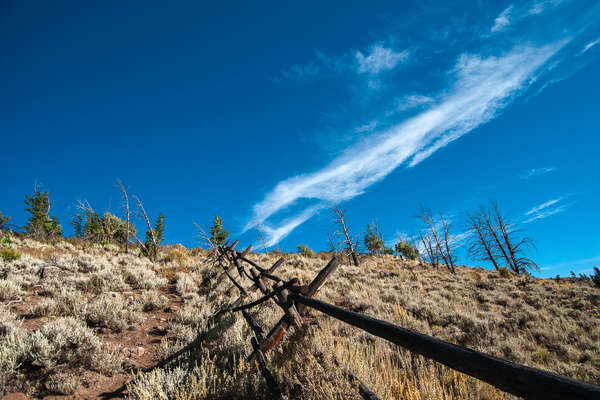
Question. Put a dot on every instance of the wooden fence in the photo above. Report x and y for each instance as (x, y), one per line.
(295, 300)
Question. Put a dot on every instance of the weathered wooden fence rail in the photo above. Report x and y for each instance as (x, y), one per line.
(294, 300)
(527, 382)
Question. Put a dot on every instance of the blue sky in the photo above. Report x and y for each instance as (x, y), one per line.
(269, 113)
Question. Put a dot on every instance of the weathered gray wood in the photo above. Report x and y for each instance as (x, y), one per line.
(363, 389)
(276, 334)
(258, 332)
(241, 270)
(319, 280)
(365, 392)
(257, 280)
(232, 279)
(288, 307)
(527, 382)
(322, 276)
(276, 265)
(252, 288)
(271, 382)
(248, 249)
(271, 277)
(268, 296)
(255, 265)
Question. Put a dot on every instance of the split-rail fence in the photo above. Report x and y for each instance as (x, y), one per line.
(295, 300)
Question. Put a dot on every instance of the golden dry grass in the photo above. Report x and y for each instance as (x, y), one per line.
(537, 322)
(541, 323)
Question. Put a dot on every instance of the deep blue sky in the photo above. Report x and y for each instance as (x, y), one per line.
(269, 112)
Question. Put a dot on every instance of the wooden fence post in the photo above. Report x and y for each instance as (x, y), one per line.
(271, 382)
(288, 307)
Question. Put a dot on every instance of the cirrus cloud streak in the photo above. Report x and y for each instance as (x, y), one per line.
(482, 87)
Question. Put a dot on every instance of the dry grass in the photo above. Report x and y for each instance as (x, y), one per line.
(541, 323)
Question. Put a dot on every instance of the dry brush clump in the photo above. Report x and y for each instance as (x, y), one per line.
(111, 311)
(52, 358)
(139, 277)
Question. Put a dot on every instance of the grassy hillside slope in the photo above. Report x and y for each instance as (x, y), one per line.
(80, 320)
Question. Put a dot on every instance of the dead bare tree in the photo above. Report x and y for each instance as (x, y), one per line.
(332, 246)
(350, 245)
(262, 238)
(481, 244)
(126, 204)
(430, 249)
(448, 243)
(207, 239)
(150, 230)
(441, 242)
(495, 239)
(501, 235)
(86, 208)
(515, 248)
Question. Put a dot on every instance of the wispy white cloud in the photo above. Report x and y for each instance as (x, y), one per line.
(410, 102)
(276, 234)
(482, 87)
(538, 208)
(302, 72)
(536, 172)
(372, 61)
(379, 58)
(539, 6)
(514, 14)
(459, 238)
(589, 46)
(502, 20)
(545, 210)
(575, 264)
(368, 127)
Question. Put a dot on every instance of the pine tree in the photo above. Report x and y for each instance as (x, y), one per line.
(159, 232)
(77, 224)
(52, 228)
(4, 220)
(93, 230)
(217, 235)
(159, 228)
(373, 241)
(407, 250)
(41, 224)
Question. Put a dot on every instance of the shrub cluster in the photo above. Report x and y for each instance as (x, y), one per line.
(49, 360)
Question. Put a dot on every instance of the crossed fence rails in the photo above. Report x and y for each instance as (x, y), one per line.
(295, 300)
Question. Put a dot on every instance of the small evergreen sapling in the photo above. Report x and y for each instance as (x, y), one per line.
(596, 277)
(77, 225)
(41, 224)
(217, 235)
(304, 250)
(373, 240)
(159, 233)
(4, 220)
(388, 250)
(406, 250)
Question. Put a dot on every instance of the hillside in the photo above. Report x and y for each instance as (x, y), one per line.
(81, 320)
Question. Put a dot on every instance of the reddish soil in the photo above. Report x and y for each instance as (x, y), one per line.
(139, 346)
